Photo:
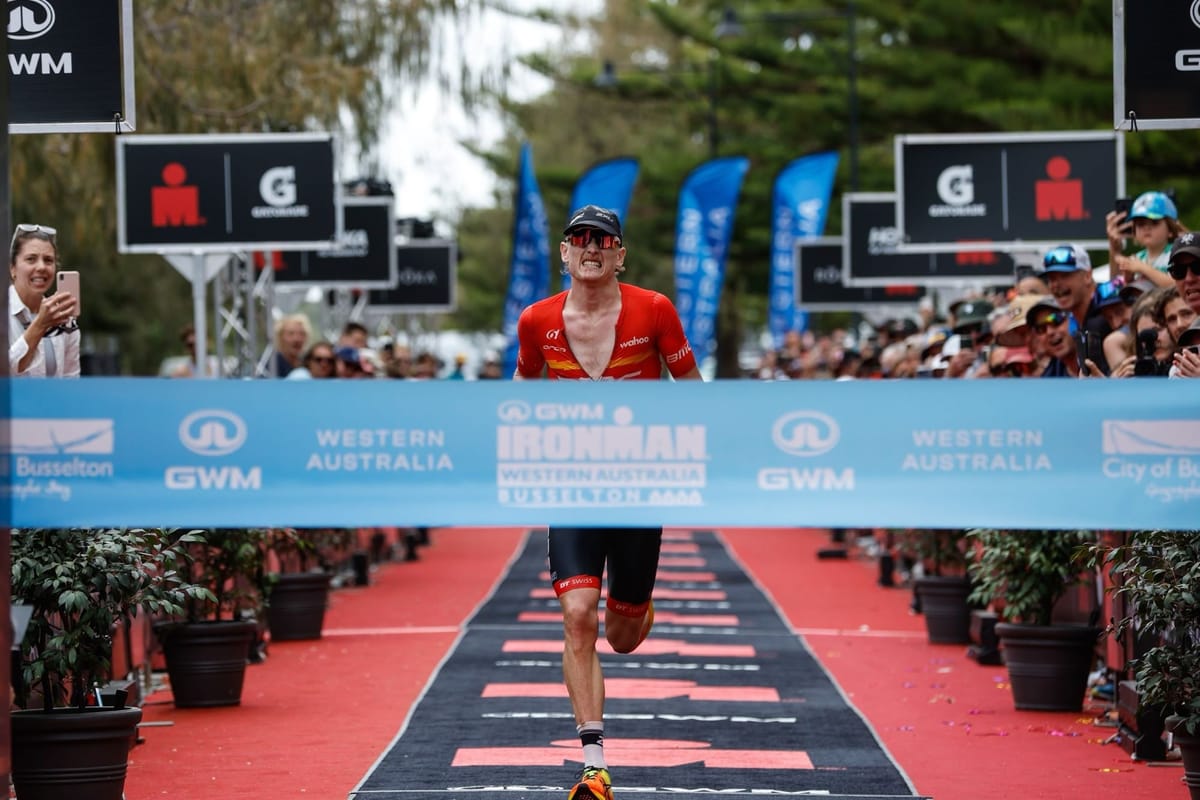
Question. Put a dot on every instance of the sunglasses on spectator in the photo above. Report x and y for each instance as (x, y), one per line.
(27, 227)
(322, 359)
(1179, 269)
(604, 241)
(1060, 257)
(1051, 320)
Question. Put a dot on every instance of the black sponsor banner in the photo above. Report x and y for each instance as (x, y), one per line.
(1156, 64)
(871, 257)
(1005, 191)
(220, 193)
(365, 256)
(819, 285)
(70, 66)
(426, 272)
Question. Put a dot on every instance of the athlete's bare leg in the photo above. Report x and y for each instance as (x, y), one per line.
(624, 633)
(581, 664)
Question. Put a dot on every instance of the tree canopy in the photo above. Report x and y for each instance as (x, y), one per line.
(781, 88)
(232, 67)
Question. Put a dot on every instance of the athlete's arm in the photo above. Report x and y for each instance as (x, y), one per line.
(530, 362)
(673, 346)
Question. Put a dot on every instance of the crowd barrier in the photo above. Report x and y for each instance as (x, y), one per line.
(987, 453)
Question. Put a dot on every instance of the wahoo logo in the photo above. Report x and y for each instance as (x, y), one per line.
(635, 341)
(805, 433)
(212, 432)
(213, 478)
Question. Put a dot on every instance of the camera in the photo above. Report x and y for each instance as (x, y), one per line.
(1147, 365)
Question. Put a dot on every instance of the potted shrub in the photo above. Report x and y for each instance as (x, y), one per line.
(1158, 575)
(80, 584)
(942, 591)
(297, 588)
(207, 646)
(1022, 575)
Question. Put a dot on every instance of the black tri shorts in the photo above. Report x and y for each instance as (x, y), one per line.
(578, 555)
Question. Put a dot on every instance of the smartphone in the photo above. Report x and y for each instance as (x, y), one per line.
(68, 281)
(1122, 205)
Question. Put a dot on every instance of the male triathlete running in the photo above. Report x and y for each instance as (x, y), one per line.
(600, 329)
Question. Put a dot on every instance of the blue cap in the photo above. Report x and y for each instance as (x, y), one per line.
(1153, 205)
(1066, 258)
(1109, 293)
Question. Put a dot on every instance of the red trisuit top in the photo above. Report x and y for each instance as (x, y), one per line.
(647, 328)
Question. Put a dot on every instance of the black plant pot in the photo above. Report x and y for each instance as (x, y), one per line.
(296, 606)
(944, 606)
(1189, 749)
(1048, 665)
(206, 661)
(69, 754)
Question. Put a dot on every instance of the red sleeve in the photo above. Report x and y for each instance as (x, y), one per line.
(530, 362)
(672, 344)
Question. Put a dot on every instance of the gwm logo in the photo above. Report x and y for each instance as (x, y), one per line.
(805, 433)
(1189, 60)
(212, 432)
(29, 19)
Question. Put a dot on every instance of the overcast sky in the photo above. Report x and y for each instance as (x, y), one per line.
(430, 172)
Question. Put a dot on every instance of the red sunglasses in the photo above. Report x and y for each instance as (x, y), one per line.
(604, 241)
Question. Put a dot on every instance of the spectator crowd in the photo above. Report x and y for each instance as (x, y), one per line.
(1137, 316)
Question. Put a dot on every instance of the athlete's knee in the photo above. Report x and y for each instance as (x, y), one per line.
(581, 625)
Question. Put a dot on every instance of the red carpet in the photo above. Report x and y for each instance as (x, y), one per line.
(949, 721)
(316, 715)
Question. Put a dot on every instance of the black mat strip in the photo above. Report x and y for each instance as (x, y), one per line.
(720, 698)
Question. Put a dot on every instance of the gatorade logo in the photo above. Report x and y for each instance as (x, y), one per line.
(1189, 60)
(278, 189)
(956, 188)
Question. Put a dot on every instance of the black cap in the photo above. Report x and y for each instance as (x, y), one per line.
(601, 219)
(972, 312)
(1187, 243)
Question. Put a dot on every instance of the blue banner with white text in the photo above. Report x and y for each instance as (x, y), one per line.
(1103, 454)
(800, 206)
(608, 184)
(707, 203)
(529, 271)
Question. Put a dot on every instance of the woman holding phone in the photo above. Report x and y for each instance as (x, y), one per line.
(43, 332)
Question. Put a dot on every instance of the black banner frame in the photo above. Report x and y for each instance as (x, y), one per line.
(900, 142)
(161, 248)
(1185, 60)
(385, 201)
(127, 121)
(451, 303)
(954, 281)
(856, 306)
